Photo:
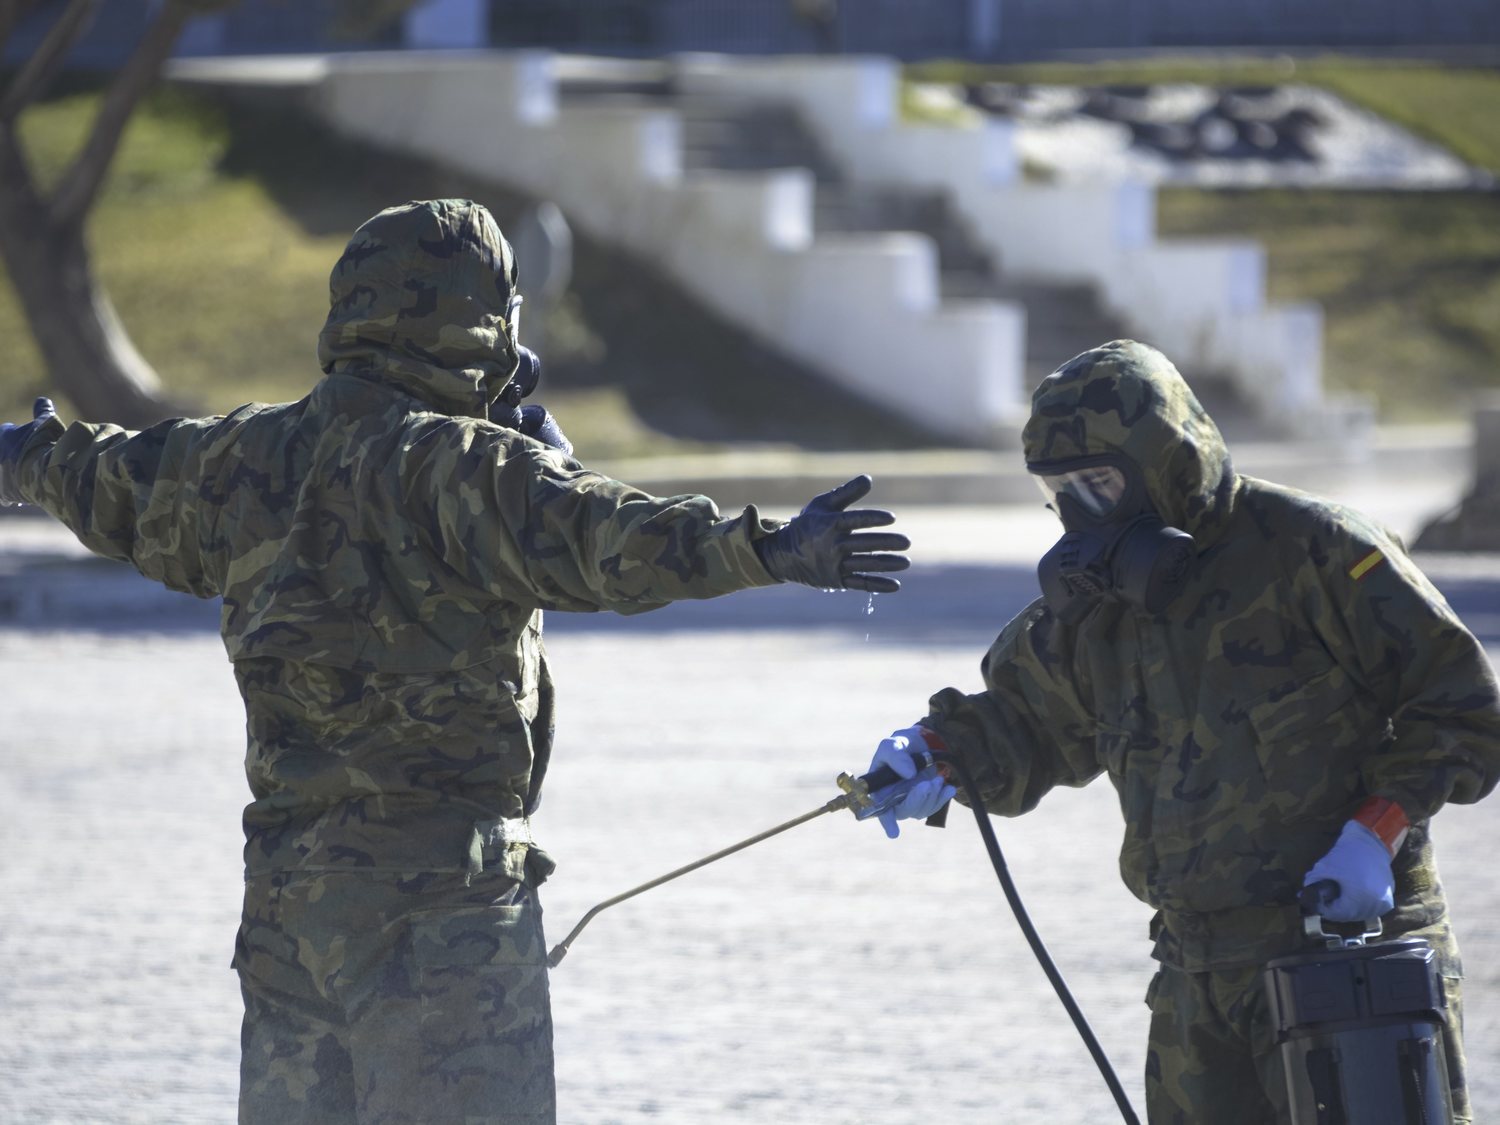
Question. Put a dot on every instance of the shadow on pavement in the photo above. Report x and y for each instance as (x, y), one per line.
(966, 603)
(938, 603)
(942, 602)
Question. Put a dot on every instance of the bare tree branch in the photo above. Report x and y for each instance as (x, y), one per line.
(12, 12)
(80, 183)
(37, 72)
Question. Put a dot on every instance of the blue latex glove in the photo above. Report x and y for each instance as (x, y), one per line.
(926, 796)
(1360, 864)
(12, 440)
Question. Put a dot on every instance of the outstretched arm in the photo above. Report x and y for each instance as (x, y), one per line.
(533, 524)
(126, 495)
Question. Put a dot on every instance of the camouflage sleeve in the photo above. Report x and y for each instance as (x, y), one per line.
(127, 495)
(539, 527)
(1395, 634)
(1031, 728)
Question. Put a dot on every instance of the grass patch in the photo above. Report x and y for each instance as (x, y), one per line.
(1409, 283)
(1456, 107)
(1459, 109)
(218, 287)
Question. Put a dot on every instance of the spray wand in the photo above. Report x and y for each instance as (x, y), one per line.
(868, 795)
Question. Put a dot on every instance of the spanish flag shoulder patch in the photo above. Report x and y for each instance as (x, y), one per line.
(1366, 564)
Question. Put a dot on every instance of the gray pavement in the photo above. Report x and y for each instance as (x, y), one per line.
(828, 975)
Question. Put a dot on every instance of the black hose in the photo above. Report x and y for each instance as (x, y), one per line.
(1012, 896)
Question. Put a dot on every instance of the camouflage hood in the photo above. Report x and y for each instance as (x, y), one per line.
(1125, 397)
(419, 299)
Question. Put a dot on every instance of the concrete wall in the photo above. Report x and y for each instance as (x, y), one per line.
(908, 29)
(447, 23)
(864, 310)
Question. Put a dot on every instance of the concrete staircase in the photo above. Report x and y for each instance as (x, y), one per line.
(1061, 320)
(726, 134)
(729, 133)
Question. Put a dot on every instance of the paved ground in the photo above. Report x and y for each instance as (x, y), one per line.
(826, 976)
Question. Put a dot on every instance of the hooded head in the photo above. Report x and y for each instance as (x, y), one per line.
(422, 297)
(1126, 398)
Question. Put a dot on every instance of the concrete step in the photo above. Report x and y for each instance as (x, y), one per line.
(848, 208)
(746, 136)
(585, 78)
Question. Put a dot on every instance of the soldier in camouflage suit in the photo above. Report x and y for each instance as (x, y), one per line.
(384, 551)
(1305, 671)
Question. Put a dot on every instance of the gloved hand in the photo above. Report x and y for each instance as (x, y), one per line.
(926, 796)
(1360, 864)
(12, 440)
(537, 423)
(819, 548)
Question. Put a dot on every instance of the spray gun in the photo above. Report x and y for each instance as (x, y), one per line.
(867, 795)
(881, 790)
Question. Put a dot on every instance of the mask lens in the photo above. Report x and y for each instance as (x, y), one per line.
(1048, 492)
(513, 320)
(1097, 489)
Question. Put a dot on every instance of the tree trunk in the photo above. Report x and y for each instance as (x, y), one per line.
(85, 348)
(86, 351)
(83, 344)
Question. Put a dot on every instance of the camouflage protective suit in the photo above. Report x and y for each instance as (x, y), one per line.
(384, 554)
(1306, 666)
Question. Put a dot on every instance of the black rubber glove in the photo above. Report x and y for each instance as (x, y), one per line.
(819, 547)
(537, 423)
(533, 420)
(12, 440)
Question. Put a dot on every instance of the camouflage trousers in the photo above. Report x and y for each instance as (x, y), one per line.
(1212, 1057)
(387, 999)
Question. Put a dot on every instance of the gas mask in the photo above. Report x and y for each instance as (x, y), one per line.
(506, 408)
(1115, 544)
